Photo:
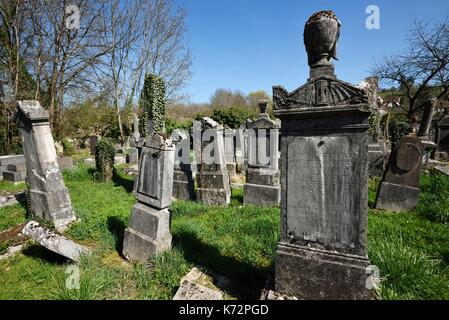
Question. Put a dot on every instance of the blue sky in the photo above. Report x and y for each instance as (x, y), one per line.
(254, 44)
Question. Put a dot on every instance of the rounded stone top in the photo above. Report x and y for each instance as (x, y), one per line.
(321, 34)
(263, 106)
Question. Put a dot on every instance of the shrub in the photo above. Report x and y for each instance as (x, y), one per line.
(434, 198)
(68, 148)
(233, 116)
(104, 158)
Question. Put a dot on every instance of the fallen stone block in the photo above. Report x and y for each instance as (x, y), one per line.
(54, 242)
(192, 287)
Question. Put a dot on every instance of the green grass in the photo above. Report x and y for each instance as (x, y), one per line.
(238, 242)
(10, 187)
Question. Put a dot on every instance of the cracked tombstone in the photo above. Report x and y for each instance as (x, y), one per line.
(324, 177)
(212, 174)
(50, 199)
(262, 175)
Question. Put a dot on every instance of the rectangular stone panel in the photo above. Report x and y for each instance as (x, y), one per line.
(323, 191)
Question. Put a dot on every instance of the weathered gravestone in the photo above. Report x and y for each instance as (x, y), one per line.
(399, 189)
(442, 138)
(148, 232)
(213, 186)
(183, 184)
(324, 177)
(262, 175)
(229, 149)
(50, 198)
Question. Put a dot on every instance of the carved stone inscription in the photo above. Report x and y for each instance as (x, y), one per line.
(150, 175)
(323, 191)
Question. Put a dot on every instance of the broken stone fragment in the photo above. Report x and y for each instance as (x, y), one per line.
(54, 242)
(192, 289)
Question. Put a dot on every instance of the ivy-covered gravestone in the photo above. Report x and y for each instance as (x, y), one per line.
(152, 104)
(104, 159)
(148, 232)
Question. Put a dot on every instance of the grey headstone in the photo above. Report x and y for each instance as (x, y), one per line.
(399, 189)
(212, 179)
(324, 177)
(50, 198)
(262, 174)
(149, 230)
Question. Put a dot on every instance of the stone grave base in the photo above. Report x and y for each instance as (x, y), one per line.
(309, 273)
(260, 195)
(148, 233)
(182, 190)
(55, 202)
(139, 247)
(394, 197)
(219, 197)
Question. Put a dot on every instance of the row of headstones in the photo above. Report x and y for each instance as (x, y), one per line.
(260, 140)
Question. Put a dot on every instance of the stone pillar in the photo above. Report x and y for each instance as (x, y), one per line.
(399, 190)
(183, 184)
(324, 178)
(148, 232)
(212, 175)
(50, 199)
(262, 175)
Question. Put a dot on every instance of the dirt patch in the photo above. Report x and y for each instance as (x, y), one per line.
(12, 236)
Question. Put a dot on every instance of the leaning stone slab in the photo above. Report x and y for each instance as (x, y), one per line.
(54, 242)
(192, 289)
(49, 197)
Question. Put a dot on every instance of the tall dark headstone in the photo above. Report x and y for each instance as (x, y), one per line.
(324, 177)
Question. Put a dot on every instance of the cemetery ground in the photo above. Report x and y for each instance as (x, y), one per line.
(411, 249)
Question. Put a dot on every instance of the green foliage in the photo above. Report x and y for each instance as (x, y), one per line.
(374, 124)
(104, 159)
(233, 116)
(172, 124)
(434, 197)
(152, 104)
(93, 116)
(398, 127)
(68, 147)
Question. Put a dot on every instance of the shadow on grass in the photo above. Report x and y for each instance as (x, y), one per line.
(39, 252)
(237, 195)
(120, 181)
(117, 227)
(246, 280)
